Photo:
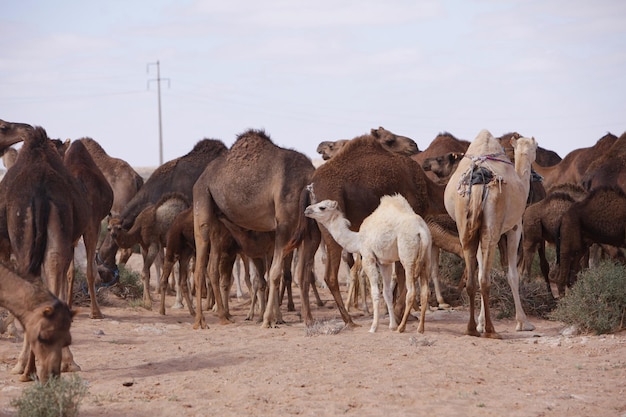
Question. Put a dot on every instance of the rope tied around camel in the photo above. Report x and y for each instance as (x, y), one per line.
(480, 171)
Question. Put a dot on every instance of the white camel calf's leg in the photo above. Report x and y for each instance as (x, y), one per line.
(369, 266)
(387, 272)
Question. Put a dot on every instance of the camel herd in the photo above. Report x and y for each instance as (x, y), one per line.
(376, 197)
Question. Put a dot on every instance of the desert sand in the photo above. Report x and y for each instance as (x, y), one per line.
(139, 363)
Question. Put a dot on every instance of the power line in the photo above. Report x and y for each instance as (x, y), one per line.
(158, 79)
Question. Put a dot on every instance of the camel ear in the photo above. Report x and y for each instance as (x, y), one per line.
(48, 311)
(374, 132)
(513, 141)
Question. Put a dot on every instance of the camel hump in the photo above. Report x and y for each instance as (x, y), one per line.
(396, 201)
(174, 195)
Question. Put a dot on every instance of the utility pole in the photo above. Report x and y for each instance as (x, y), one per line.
(158, 80)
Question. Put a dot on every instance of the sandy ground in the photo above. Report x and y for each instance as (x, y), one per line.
(138, 363)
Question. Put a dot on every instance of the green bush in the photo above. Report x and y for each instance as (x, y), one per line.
(597, 301)
(59, 397)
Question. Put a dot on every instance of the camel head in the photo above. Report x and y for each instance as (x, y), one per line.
(524, 146)
(395, 143)
(443, 165)
(12, 133)
(114, 227)
(322, 210)
(328, 149)
(48, 332)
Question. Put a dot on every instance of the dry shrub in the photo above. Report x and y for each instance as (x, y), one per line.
(597, 301)
(325, 327)
(129, 287)
(59, 397)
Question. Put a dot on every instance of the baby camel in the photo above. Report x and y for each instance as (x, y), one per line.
(393, 232)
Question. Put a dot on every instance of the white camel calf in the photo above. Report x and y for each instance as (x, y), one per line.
(393, 232)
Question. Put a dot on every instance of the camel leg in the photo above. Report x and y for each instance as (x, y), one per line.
(387, 271)
(178, 302)
(487, 249)
(90, 239)
(304, 267)
(22, 359)
(424, 293)
(237, 277)
(545, 267)
(201, 237)
(286, 283)
(434, 273)
(513, 237)
(167, 270)
(369, 266)
(471, 263)
(148, 259)
(332, 281)
(185, 263)
(409, 299)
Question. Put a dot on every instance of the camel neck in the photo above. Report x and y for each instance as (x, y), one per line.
(348, 239)
(17, 294)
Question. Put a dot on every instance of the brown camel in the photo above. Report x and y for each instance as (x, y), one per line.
(609, 168)
(358, 192)
(99, 197)
(43, 213)
(395, 143)
(256, 185)
(598, 218)
(45, 319)
(486, 196)
(443, 165)
(124, 180)
(150, 231)
(541, 223)
(177, 175)
(179, 247)
(574, 164)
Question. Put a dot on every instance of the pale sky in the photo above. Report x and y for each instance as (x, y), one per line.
(309, 71)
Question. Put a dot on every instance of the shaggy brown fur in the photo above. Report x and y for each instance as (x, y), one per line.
(575, 164)
(599, 218)
(356, 178)
(177, 175)
(608, 169)
(256, 185)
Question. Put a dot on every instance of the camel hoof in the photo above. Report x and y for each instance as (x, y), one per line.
(524, 327)
(353, 325)
(225, 320)
(372, 329)
(474, 333)
(18, 369)
(492, 335)
(70, 367)
(200, 324)
(25, 378)
(443, 306)
(291, 307)
(96, 316)
(401, 329)
(178, 306)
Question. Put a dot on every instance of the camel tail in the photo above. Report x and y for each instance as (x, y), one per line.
(474, 218)
(305, 225)
(41, 214)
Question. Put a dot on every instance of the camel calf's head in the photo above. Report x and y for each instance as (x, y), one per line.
(48, 332)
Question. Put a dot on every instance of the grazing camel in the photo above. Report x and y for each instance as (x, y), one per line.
(150, 231)
(179, 247)
(390, 141)
(599, 218)
(393, 232)
(177, 175)
(256, 185)
(99, 197)
(122, 178)
(486, 196)
(45, 319)
(358, 192)
(541, 223)
(43, 213)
